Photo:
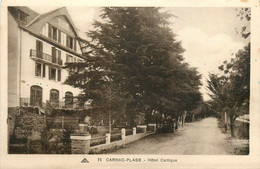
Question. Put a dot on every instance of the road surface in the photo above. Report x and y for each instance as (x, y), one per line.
(202, 138)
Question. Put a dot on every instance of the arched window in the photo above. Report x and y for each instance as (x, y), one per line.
(36, 96)
(68, 100)
(54, 96)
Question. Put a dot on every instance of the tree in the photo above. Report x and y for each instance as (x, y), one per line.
(230, 92)
(137, 51)
(97, 80)
(244, 14)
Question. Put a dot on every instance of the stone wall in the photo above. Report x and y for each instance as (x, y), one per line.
(80, 143)
(106, 147)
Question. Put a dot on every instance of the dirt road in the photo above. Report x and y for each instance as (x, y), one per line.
(203, 137)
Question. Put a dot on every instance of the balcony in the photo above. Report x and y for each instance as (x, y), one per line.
(46, 58)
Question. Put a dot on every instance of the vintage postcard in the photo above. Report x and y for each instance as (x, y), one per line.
(130, 84)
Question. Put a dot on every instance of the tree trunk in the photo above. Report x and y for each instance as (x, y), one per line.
(109, 122)
(226, 125)
(232, 127)
(28, 141)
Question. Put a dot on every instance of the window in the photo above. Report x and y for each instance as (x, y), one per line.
(21, 16)
(69, 42)
(54, 96)
(36, 96)
(52, 73)
(39, 49)
(59, 54)
(38, 69)
(59, 75)
(59, 36)
(54, 33)
(68, 100)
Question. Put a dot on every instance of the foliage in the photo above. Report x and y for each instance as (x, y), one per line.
(244, 14)
(135, 66)
(230, 92)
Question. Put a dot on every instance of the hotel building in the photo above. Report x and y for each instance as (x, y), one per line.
(39, 46)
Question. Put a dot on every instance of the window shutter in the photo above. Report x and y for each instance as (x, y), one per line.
(67, 40)
(38, 49)
(35, 69)
(49, 30)
(41, 49)
(59, 36)
(43, 70)
(59, 75)
(49, 72)
(53, 55)
(75, 44)
(67, 58)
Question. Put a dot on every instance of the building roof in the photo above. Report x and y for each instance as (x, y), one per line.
(36, 24)
(36, 21)
(31, 14)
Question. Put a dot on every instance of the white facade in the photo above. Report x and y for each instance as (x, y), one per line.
(28, 77)
(38, 48)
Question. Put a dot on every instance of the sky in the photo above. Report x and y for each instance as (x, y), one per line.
(207, 34)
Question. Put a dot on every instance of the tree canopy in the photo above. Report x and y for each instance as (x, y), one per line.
(134, 51)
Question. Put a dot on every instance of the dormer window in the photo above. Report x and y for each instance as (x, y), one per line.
(19, 15)
(22, 16)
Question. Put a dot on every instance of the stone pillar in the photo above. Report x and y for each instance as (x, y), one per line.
(108, 138)
(153, 127)
(80, 143)
(174, 127)
(83, 128)
(123, 133)
(134, 130)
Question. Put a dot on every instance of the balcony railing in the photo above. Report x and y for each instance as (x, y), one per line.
(45, 58)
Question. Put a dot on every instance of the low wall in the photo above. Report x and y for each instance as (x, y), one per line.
(81, 144)
(105, 147)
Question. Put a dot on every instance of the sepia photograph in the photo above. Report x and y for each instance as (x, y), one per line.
(128, 80)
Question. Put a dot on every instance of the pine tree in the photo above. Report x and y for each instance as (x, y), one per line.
(137, 53)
